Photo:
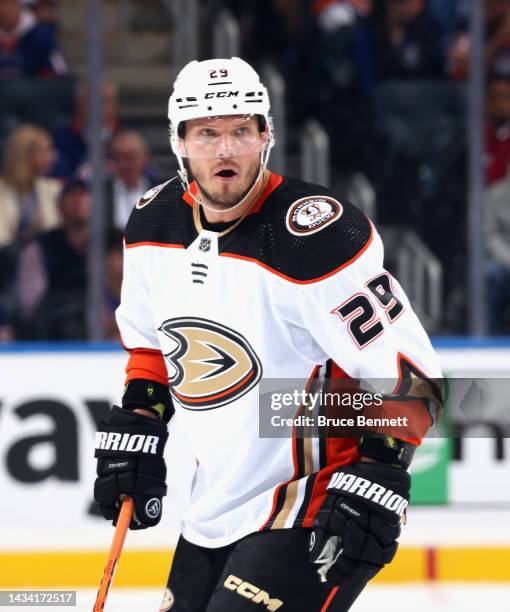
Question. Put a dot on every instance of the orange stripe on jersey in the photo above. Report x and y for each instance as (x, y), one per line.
(188, 195)
(346, 457)
(402, 362)
(408, 369)
(337, 372)
(311, 280)
(156, 244)
(275, 180)
(329, 599)
(339, 451)
(148, 364)
(412, 408)
(295, 474)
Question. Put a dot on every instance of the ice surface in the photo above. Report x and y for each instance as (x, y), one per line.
(439, 597)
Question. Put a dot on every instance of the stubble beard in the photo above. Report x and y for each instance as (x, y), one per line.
(229, 201)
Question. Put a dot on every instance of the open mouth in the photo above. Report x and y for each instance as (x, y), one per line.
(226, 173)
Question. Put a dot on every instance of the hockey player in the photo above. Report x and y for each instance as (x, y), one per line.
(231, 273)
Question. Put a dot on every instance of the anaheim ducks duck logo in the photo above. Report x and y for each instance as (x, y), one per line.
(209, 364)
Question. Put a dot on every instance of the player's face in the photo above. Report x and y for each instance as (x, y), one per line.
(224, 157)
(498, 100)
(10, 11)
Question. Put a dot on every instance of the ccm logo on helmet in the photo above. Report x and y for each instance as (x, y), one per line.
(221, 94)
(369, 490)
(134, 443)
(250, 591)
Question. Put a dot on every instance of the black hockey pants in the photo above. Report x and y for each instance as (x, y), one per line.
(268, 570)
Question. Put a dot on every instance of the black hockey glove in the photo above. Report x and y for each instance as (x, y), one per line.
(356, 529)
(129, 450)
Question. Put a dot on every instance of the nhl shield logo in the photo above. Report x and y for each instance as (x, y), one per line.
(204, 245)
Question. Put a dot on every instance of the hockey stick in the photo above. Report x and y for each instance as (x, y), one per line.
(125, 515)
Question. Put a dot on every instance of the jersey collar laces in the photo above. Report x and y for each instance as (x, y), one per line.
(217, 88)
(197, 202)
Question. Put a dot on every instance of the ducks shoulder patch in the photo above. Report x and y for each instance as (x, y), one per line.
(311, 214)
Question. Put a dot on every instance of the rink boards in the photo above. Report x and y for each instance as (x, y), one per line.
(49, 403)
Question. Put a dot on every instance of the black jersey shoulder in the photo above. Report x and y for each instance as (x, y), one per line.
(156, 217)
(303, 231)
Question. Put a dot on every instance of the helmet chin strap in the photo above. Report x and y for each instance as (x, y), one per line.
(183, 176)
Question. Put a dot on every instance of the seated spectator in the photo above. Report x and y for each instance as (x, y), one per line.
(335, 29)
(45, 11)
(8, 258)
(52, 274)
(497, 217)
(27, 48)
(71, 139)
(28, 199)
(497, 47)
(497, 129)
(497, 41)
(398, 41)
(448, 15)
(279, 23)
(5, 334)
(130, 176)
(332, 15)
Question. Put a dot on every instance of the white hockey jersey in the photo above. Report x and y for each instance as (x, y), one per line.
(297, 288)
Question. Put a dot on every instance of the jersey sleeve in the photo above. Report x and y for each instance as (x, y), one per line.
(136, 322)
(363, 321)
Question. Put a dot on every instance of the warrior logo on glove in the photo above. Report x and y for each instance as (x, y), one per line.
(153, 508)
(369, 490)
(129, 452)
(130, 443)
(356, 529)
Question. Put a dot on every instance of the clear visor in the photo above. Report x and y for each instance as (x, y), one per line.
(222, 137)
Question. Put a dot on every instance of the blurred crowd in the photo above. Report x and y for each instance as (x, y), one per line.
(388, 81)
(45, 200)
(386, 78)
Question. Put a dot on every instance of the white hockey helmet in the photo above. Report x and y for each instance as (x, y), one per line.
(215, 88)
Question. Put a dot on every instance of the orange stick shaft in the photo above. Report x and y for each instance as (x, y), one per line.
(125, 515)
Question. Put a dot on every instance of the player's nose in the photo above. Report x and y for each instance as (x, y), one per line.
(227, 144)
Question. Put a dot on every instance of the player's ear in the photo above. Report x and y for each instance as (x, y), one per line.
(181, 148)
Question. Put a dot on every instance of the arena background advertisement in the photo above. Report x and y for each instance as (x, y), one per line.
(50, 402)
